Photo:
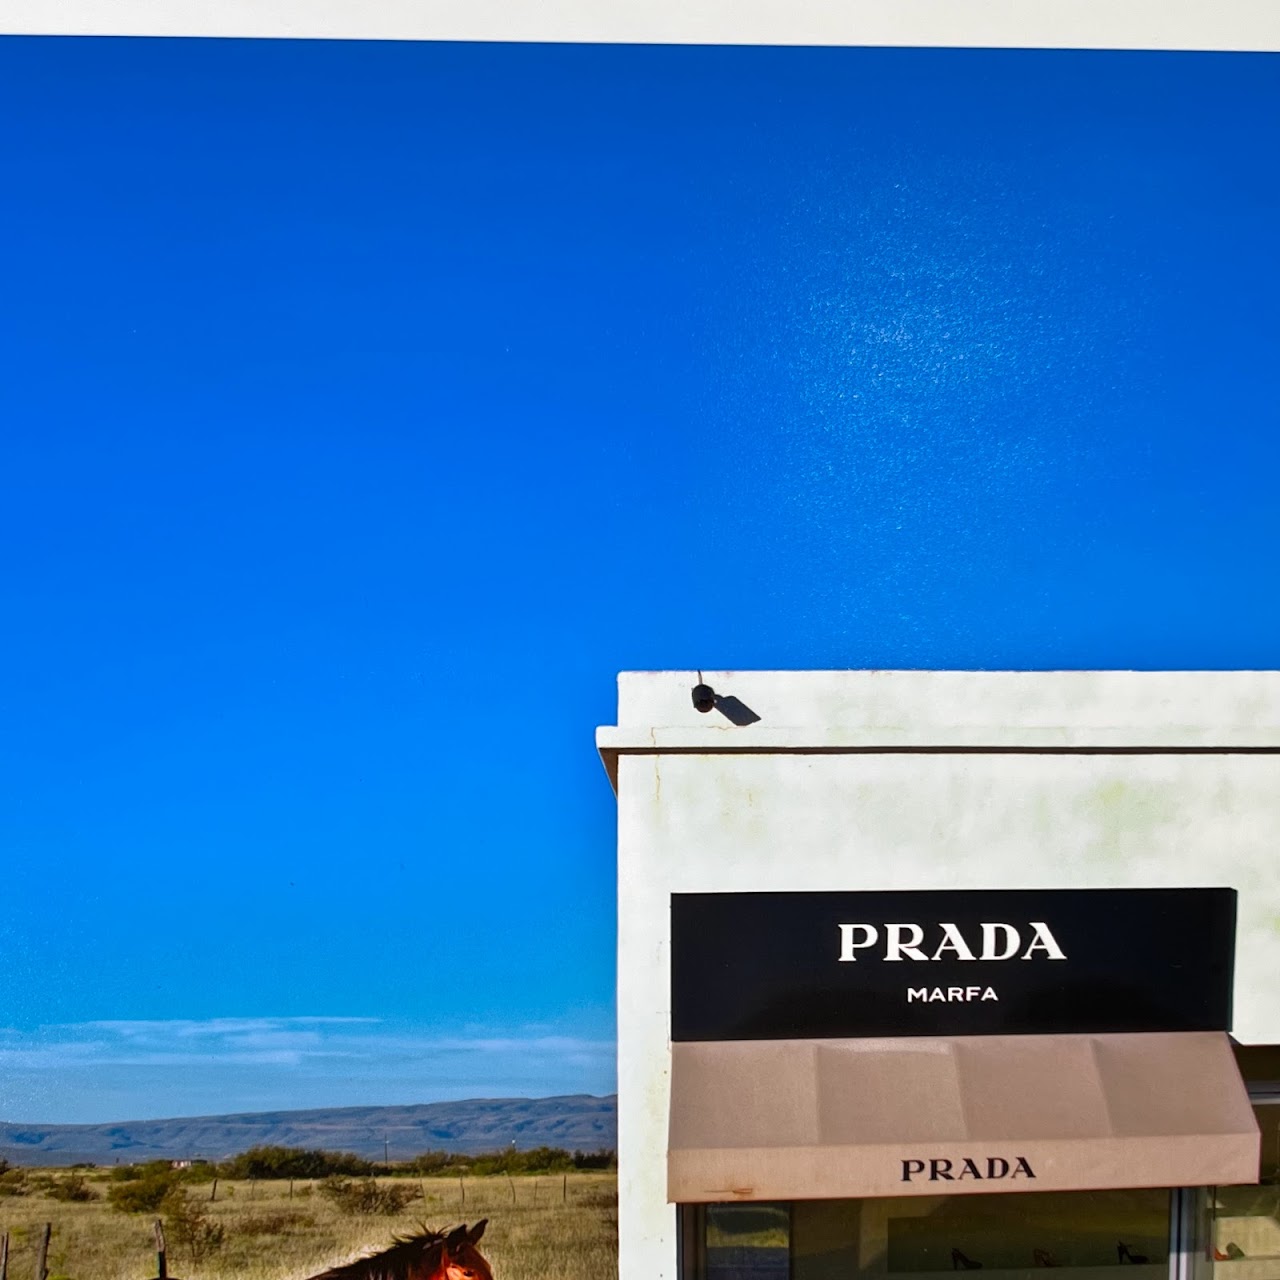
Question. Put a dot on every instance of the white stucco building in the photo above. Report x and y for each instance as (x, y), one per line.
(847, 785)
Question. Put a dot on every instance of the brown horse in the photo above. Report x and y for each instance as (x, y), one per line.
(429, 1255)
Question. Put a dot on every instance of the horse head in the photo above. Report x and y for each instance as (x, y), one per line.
(427, 1255)
(460, 1259)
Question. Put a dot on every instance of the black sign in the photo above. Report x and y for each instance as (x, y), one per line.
(769, 966)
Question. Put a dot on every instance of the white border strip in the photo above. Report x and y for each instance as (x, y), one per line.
(1227, 25)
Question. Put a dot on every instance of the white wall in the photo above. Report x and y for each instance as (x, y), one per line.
(1068, 24)
(884, 780)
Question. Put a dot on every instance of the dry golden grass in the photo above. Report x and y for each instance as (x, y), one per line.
(539, 1229)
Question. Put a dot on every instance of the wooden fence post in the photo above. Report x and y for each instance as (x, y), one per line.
(213, 1194)
(42, 1254)
(4, 1257)
(462, 1187)
(564, 1190)
(513, 1189)
(162, 1254)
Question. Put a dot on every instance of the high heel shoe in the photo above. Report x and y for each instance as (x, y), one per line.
(960, 1263)
(1123, 1254)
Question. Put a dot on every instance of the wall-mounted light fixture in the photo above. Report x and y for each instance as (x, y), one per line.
(704, 696)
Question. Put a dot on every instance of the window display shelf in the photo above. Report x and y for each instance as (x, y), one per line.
(1113, 1272)
(1248, 1269)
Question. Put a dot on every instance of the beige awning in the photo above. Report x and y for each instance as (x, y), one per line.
(826, 1119)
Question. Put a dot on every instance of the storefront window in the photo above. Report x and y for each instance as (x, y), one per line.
(747, 1242)
(1014, 1235)
(1245, 1221)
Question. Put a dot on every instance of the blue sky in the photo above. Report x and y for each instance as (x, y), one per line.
(366, 407)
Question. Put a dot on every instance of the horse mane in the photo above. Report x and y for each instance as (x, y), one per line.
(422, 1248)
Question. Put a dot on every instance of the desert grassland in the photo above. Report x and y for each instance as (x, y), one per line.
(541, 1234)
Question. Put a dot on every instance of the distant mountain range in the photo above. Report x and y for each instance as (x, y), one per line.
(579, 1122)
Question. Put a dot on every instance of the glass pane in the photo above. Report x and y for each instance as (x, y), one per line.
(1245, 1237)
(1011, 1234)
(748, 1242)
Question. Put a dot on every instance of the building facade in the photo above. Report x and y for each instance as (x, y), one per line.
(926, 971)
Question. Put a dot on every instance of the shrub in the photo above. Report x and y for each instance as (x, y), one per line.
(143, 1194)
(293, 1162)
(187, 1221)
(366, 1196)
(74, 1187)
(537, 1160)
(134, 1172)
(510, 1161)
(160, 1170)
(13, 1182)
(602, 1159)
(435, 1162)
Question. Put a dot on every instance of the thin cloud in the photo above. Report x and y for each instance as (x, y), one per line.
(209, 1026)
(103, 1070)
